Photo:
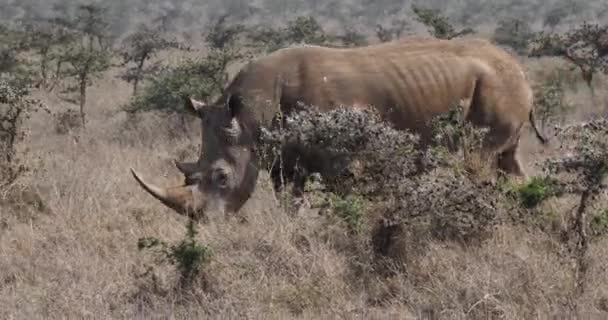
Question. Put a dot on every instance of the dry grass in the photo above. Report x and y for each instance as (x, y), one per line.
(78, 257)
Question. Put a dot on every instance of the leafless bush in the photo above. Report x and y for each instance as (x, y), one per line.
(344, 137)
(411, 186)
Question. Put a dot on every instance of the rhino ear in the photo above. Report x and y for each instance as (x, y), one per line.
(193, 105)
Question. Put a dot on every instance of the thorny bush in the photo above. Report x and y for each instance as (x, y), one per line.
(582, 168)
(584, 158)
(585, 47)
(411, 186)
(15, 108)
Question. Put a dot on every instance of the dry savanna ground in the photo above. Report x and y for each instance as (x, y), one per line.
(75, 254)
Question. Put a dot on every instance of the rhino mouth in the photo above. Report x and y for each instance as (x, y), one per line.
(180, 198)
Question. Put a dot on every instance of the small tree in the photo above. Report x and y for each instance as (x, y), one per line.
(46, 36)
(550, 99)
(586, 47)
(10, 47)
(86, 64)
(202, 78)
(352, 38)
(188, 256)
(300, 30)
(266, 39)
(439, 25)
(15, 107)
(91, 23)
(393, 31)
(223, 36)
(306, 30)
(64, 28)
(89, 55)
(514, 33)
(560, 11)
(139, 47)
(583, 167)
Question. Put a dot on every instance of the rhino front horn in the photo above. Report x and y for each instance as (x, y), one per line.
(179, 198)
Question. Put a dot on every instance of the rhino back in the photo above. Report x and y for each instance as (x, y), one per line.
(407, 80)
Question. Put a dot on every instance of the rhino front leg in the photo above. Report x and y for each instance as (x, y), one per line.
(508, 161)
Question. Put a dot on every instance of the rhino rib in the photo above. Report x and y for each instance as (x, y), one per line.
(419, 73)
(446, 79)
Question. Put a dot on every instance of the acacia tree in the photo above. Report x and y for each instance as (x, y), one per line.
(46, 36)
(582, 169)
(439, 25)
(393, 31)
(550, 99)
(585, 47)
(15, 104)
(302, 29)
(352, 38)
(10, 45)
(202, 77)
(89, 55)
(16, 107)
(514, 33)
(139, 47)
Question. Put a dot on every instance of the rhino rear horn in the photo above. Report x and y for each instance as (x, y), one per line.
(187, 168)
(194, 105)
(179, 198)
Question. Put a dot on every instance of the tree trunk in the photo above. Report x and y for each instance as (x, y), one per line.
(57, 74)
(140, 68)
(582, 244)
(44, 60)
(83, 96)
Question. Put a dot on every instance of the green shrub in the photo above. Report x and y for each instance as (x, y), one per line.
(393, 31)
(16, 106)
(438, 25)
(352, 38)
(67, 121)
(302, 29)
(139, 47)
(202, 78)
(536, 191)
(350, 209)
(188, 256)
(599, 223)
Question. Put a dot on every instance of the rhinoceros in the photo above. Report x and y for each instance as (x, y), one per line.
(408, 81)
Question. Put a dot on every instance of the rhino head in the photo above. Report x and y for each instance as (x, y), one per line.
(225, 175)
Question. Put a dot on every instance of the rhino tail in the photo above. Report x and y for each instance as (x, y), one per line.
(539, 135)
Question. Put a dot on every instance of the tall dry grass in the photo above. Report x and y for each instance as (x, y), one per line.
(78, 258)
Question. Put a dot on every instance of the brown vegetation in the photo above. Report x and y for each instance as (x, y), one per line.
(72, 216)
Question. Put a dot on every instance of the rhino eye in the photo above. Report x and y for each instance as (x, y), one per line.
(192, 179)
(220, 178)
